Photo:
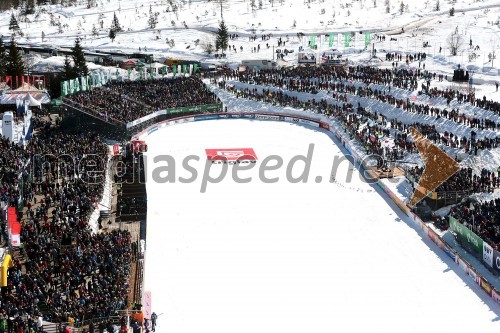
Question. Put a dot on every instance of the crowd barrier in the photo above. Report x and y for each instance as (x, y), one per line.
(321, 121)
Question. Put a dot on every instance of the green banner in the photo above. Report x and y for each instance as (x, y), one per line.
(467, 237)
(312, 42)
(64, 88)
(128, 72)
(347, 39)
(174, 70)
(207, 107)
(330, 42)
(77, 85)
(164, 71)
(195, 68)
(184, 69)
(367, 38)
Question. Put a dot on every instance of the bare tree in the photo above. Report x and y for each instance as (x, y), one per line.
(208, 47)
(455, 42)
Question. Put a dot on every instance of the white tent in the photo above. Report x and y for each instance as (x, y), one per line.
(32, 101)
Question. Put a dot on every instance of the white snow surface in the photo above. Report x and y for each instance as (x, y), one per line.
(286, 257)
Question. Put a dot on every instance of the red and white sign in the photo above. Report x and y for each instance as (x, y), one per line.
(116, 149)
(231, 154)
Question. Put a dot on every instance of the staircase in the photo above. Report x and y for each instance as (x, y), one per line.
(131, 201)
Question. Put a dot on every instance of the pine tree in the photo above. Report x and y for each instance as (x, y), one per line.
(13, 25)
(3, 58)
(401, 8)
(152, 18)
(222, 37)
(94, 31)
(43, 36)
(253, 5)
(29, 7)
(68, 69)
(80, 67)
(116, 25)
(437, 8)
(15, 64)
(112, 34)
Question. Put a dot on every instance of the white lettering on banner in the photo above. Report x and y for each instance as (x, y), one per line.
(308, 122)
(488, 254)
(233, 154)
(266, 117)
(290, 119)
(472, 240)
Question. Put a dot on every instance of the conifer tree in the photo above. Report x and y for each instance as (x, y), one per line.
(152, 21)
(3, 59)
(13, 25)
(80, 64)
(115, 25)
(15, 64)
(112, 34)
(68, 69)
(222, 37)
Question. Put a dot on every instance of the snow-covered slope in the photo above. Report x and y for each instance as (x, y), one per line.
(194, 22)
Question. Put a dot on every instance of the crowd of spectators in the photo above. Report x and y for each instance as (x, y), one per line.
(63, 271)
(338, 79)
(483, 218)
(369, 128)
(464, 180)
(130, 100)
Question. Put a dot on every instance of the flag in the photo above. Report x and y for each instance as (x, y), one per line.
(330, 42)
(174, 70)
(163, 70)
(84, 83)
(184, 69)
(64, 88)
(77, 85)
(190, 69)
(313, 42)
(128, 72)
(367, 38)
(347, 39)
(195, 68)
(71, 87)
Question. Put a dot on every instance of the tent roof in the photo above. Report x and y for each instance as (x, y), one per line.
(9, 98)
(32, 101)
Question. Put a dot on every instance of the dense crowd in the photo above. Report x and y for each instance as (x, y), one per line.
(377, 84)
(370, 128)
(482, 218)
(465, 180)
(130, 100)
(64, 270)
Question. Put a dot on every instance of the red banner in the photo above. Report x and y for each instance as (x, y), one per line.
(231, 154)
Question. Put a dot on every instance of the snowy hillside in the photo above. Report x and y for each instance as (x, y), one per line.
(187, 25)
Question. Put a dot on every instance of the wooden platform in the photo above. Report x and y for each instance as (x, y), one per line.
(395, 172)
